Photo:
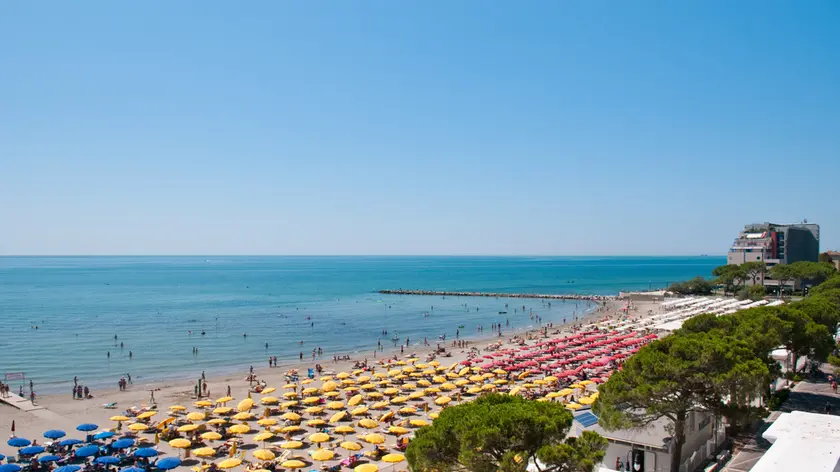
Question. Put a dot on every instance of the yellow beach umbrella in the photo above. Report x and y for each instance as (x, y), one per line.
(461, 382)
(335, 405)
(196, 416)
(326, 378)
(264, 436)
(391, 391)
(146, 415)
(474, 390)
(223, 410)
(432, 390)
(332, 394)
(243, 416)
(293, 464)
(344, 429)
(309, 391)
(398, 400)
(317, 422)
(269, 400)
(418, 423)
(180, 443)
(289, 386)
(290, 416)
(290, 395)
(342, 375)
(398, 430)
(319, 437)
(203, 452)
(416, 395)
(310, 400)
(291, 445)
(434, 416)
(439, 379)
(351, 446)
(379, 375)
(515, 390)
(586, 382)
(306, 381)
(203, 403)
(329, 386)
(409, 410)
(374, 439)
(379, 405)
(188, 428)
(375, 395)
(393, 458)
(364, 378)
(239, 429)
(573, 406)
(338, 417)
(368, 423)
(211, 436)
(322, 455)
(268, 390)
(264, 455)
(442, 400)
(290, 428)
(177, 408)
(565, 391)
(550, 378)
(138, 427)
(230, 463)
(355, 400)
(488, 387)
(217, 421)
(245, 405)
(362, 410)
(314, 410)
(366, 468)
(224, 400)
(351, 389)
(386, 416)
(448, 386)
(586, 401)
(368, 386)
(289, 404)
(118, 418)
(267, 422)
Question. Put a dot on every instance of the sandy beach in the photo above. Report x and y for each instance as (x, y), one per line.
(61, 411)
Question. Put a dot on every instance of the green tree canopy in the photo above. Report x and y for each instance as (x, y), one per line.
(754, 269)
(783, 273)
(695, 286)
(831, 284)
(805, 337)
(503, 432)
(811, 272)
(822, 309)
(675, 375)
(730, 276)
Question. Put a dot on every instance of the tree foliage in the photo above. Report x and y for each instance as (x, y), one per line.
(831, 284)
(503, 432)
(784, 274)
(754, 269)
(730, 276)
(695, 286)
(752, 292)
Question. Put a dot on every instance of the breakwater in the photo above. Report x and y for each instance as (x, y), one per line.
(594, 298)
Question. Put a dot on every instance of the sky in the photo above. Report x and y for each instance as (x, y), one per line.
(416, 127)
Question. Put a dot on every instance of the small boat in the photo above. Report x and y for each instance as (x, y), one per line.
(503, 313)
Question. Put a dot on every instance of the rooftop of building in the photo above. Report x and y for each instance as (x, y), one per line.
(798, 431)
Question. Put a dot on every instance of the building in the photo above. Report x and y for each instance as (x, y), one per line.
(776, 244)
(802, 441)
(834, 256)
(649, 448)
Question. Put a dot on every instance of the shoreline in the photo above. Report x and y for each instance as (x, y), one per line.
(544, 296)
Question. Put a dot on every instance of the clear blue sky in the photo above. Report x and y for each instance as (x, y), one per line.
(383, 127)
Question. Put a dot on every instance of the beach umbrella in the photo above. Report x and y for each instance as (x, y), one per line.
(54, 434)
(351, 446)
(329, 386)
(203, 452)
(269, 400)
(168, 463)
(177, 408)
(107, 460)
(137, 427)
(443, 400)
(146, 415)
(119, 418)
(239, 429)
(375, 395)
(397, 430)
(355, 400)
(290, 428)
(418, 423)
(104, 435)
(49, 458)
(311, 400)
(368, 423)
(269, 390)
(374, 439)
(264, 436)
(393, 458)
(222, 410)
(409, 410)
(387, 416)
(319, 438)
(180, 443)
(244, 416)
(264, 455)
(217, 421)
(18, 442)
(203, 403)
(335, 405)
(187, 428)
(362, 410)
(314, 409)
(332, 394)
(293, 464)
(434, 416)
(230, 463)
(323, 455)
(87, 451)
(573, 406)
(366, 468)
(267, 422)
(586, 401)
(31, 450)
(124, 443)
(338, 417)
(87, 427)
(291, 445)
(224, 400)
(344, 429)
(196, 416)
(211, 436)
(317, 422)
(145, 452)
(70, 442)
(290, 416)
(245, 405)
(9, 468)
(129, 469)
(68, 468)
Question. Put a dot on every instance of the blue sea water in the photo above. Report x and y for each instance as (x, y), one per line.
(152, 303)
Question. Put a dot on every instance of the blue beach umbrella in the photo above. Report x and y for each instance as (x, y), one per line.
(49, 458)
(131, 469)
(18, 442)
(104, 435)
(166, 463)
(70, 442)
(87, 427)
(67, 468)
(123, 443)
(107, 460)
(32, 450)
(54, 434)
(87, 451)
(2, 457)
(9, 468)
(145, 452)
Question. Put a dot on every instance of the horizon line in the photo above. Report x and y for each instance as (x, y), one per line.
(361, 255)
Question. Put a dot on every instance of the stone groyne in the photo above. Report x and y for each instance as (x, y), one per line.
(594, 298)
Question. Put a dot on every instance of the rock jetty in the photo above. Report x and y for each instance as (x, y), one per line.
(594, 298)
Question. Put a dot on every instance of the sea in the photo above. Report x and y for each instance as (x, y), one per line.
(99, 318)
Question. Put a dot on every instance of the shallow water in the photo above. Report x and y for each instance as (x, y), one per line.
(151, 304)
